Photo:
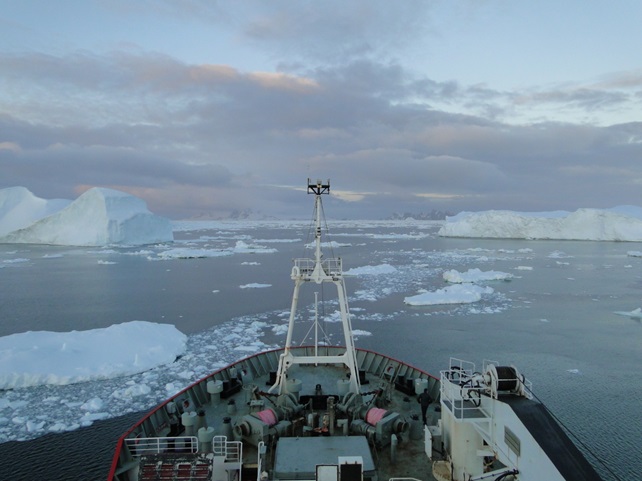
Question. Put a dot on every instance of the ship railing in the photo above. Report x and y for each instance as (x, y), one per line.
(178, 444)
(259, 463)
(460, 396)
(231, 450)
(331, 266)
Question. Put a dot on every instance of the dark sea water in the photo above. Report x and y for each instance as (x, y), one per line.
(555, 320)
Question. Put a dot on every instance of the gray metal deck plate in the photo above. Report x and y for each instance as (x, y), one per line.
(297, 458)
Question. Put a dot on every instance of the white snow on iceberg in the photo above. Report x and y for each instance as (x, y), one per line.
(42, 357)
(19, 208)
(98, 217)
(622, 223)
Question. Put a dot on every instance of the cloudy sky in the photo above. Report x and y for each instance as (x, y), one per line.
(204, 107)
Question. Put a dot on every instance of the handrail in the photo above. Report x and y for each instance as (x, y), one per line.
(140, 446)
(259, 461)
(332, 266)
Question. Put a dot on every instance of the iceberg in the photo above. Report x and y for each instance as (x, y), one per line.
(623, 223)
(20, 208)
(37, 358)
(98, 217)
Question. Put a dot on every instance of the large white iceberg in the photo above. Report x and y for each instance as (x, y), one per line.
(41, 357)
(98, 217)
(19, 208)
(622, 223)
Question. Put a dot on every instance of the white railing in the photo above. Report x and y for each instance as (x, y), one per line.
(259, 461)
(231, 450)
(458, 393)
(140, 446)
(331, 266)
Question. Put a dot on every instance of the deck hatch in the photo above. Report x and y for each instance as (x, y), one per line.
(323, 450)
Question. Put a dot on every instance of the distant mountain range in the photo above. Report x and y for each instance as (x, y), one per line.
(249, 214)
(432, 215)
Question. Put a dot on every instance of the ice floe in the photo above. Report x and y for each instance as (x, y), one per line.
(42, 357)
(475, 275)
(371, 270)
(634, 314)
(455, 294)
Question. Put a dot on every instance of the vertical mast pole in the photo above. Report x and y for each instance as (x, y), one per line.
(316, 323)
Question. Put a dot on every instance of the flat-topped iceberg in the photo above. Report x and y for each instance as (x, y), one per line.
(98, 217)
(43, 357)
(622, 223)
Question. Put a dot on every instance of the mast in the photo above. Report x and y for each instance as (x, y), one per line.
(318, 270)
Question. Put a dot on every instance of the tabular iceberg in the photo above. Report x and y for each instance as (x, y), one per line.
(622, 223)
(45, 357)
(98, 217)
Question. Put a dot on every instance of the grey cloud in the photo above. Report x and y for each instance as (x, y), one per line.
(73, 165)
(193, 138)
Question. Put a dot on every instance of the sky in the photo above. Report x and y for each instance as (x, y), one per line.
(208, 108)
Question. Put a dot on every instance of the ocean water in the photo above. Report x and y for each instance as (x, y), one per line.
(555, 321)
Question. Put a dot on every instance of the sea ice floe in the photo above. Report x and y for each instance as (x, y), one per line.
(93, 404)
(244, 247)
(634, 314)
(475, 275)
(455, 294)
(361, 332)
(371, 270)
(43, 357)
(188, 253)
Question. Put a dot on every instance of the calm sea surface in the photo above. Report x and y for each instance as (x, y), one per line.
(554, 320)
